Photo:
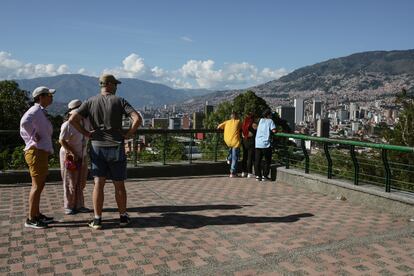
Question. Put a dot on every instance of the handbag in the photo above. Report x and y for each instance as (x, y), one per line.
(70, 163)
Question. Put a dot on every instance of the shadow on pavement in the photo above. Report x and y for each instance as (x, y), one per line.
(177, 208)
(187, 221)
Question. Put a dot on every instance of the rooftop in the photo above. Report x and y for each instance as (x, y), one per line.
(203, 226)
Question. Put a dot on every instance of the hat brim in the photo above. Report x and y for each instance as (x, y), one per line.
(52, 91)
(73, 110)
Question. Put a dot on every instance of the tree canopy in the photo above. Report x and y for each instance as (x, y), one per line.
(13, 103)
(242, 105)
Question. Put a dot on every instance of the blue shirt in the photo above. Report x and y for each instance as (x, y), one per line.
(264, 129)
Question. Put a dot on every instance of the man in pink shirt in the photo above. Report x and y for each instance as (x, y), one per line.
(36, 131)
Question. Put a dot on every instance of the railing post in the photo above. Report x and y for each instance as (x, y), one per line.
(216, 147)
(190, 159)
(328, 159)
(387, 171)
(286, 150)
(356, 165)
(305, 153)
(135, 149)
(164, 151)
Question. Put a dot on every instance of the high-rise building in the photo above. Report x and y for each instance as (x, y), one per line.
(185, 121)
(287, 113)
(317, 109)
(323, 127)
(160, 123)
(208, 109)
(299, 110)
(198, 118)
(174, 123)
(353, 111)
(342, 115)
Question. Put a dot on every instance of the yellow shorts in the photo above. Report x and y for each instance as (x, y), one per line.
(38, 161)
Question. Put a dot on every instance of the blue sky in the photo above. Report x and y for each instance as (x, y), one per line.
(195, 44)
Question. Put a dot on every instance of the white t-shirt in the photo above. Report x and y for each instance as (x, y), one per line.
(74, 137)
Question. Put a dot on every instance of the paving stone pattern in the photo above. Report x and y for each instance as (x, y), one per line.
(206, 226)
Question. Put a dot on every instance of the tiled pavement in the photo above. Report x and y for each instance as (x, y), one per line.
(206, 226)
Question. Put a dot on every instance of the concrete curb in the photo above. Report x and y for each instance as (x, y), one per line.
(394, 202)
(145, 171)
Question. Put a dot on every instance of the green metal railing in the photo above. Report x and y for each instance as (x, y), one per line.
(211, 146)
(380, 164)
(392, 166)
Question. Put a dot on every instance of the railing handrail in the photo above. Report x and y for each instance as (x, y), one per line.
(163, 131)
(153, 131)
(347, 142)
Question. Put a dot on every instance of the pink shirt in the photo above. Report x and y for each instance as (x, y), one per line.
(35, 121)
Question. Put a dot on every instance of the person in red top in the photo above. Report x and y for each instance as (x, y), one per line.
(249, 128)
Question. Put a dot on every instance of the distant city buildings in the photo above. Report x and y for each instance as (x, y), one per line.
(316, 109)
(287, 113)
(299, 110)
(323, 128)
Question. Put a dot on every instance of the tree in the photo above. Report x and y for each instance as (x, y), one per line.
(242, 104)
(13, 103)
(403, 133)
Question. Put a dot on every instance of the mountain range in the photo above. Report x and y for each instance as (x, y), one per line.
(138, 92)
(375, 73)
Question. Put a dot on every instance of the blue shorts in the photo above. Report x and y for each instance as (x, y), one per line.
(109, 162)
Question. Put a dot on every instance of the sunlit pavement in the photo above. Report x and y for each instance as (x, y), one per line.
(206, 226)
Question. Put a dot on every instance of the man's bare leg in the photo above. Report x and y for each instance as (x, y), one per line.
(120, 196)
(98, 195)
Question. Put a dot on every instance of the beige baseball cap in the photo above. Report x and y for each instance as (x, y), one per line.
(107, 78)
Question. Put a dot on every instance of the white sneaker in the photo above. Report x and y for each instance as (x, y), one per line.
(250, 175)
(244, 174)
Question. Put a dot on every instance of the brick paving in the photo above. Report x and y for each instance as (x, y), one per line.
(206, 226)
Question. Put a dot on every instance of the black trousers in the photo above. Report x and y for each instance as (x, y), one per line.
(267, 154)
(248, 155)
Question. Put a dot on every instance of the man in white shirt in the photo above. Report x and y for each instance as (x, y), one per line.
(36, 131)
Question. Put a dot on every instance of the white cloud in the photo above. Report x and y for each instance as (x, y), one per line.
(232, 75)
(133, 67)
(14, 69)
(192, 74)
(186, 39)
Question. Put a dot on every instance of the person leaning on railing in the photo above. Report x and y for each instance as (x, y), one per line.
(232, 129)
(265, 129)
(36, 131)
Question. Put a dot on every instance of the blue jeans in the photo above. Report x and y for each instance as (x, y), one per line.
(233, 157)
